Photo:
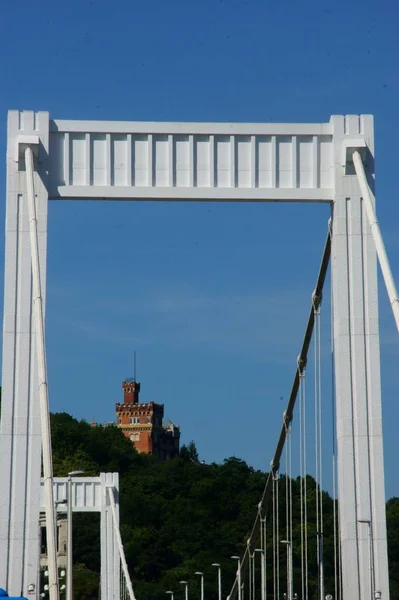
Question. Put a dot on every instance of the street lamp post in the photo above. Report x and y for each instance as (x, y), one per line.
(202, 583)
(320, 553)
(289, 567)
(170, 593)
(69, 591)
(219, 579)
(237, 558)
(262, 573)
(371, 561)
(186, 589)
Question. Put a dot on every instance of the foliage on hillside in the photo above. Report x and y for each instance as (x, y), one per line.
(181, 516)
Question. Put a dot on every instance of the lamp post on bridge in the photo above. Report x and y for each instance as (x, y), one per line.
(237, 558)
(289, 568)
(185, 589)
(171, 594)
(69, 592)
(219, 579)
(202, 583)
(320, 555)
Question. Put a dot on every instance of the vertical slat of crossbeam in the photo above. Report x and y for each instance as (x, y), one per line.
(233, 162)
(20, 437)
(212, 156)
(108, 159)
(150, 150)
(67, 168)
(274, 165)
(88, 160)
(191, 177)
(110, 561)
(171, 161)
(357, 377)
(129, 159)
(254, 177)
(315, 161)
(294, 161)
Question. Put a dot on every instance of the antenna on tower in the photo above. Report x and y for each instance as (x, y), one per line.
(134, 363)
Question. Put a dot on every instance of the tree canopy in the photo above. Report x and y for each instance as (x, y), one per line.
(182, 515)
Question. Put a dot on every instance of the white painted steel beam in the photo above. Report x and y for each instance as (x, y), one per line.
(91, 494)
(357, 372)
(87, 493)
(191, 161)
(20, 433)
(209, 162)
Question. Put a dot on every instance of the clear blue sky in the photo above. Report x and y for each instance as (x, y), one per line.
(213, 298)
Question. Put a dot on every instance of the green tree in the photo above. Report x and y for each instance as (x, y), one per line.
(179, 516)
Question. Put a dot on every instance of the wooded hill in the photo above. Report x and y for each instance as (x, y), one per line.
(180, 516)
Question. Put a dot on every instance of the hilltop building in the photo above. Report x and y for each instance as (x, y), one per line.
(144, 425)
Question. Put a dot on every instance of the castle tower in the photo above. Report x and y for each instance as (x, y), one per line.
(131, 391)
(143, 424)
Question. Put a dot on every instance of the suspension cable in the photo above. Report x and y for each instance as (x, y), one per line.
(333, 435)
(301, 364)
(38, 320)
(264, 558)
(368, 201)
(320, 430)
(274, 540)
(119, 543)
(301, 476)
(316, 426)
(318, 450)
(290, 502)
(287, 493)
(277, 539)
(305, 487)
(250, 570)
(253, 576)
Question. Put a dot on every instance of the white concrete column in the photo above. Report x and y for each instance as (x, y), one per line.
(357, 373)
(110, 560)
(20, 434)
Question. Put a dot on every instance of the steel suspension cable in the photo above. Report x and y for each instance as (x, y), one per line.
(287, 507)
(305, 488)
(264, 557)
(253, 576)
(337, 545)
(333, 435)
(274, 540)
(320, 427)
(301, 485)
(250, 569)
(290, 499)
(319, 451)
(287, 494)
(301, 364)
(277, 539)
(119, 543)
(38, 320)
(316, 431)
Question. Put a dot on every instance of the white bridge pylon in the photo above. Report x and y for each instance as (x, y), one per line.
(91, 494)
(201, 162)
